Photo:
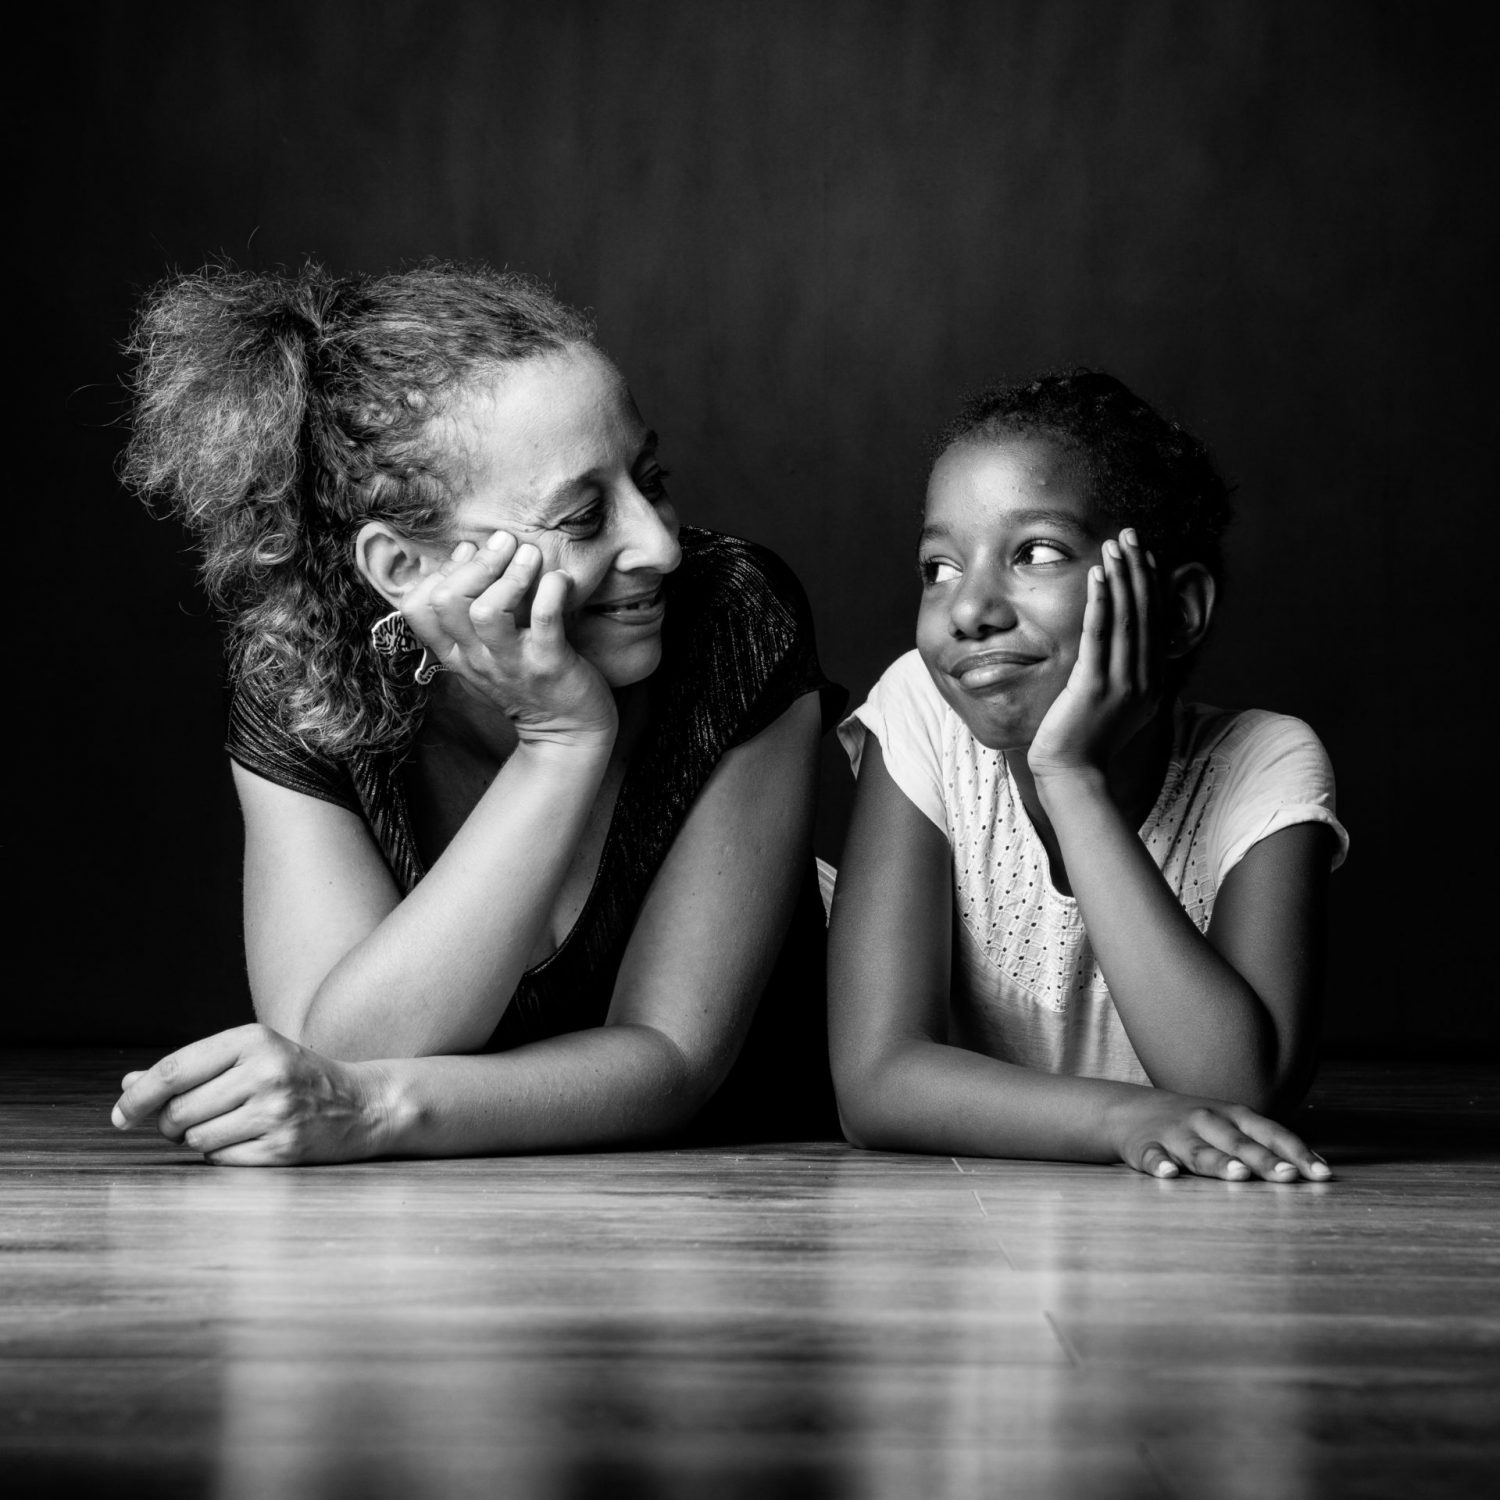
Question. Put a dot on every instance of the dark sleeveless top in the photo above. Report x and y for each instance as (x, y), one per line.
(737, 651)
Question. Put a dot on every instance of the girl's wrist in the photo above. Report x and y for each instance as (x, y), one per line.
(1064, 785)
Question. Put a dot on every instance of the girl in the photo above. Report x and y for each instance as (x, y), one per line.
(1077, 917)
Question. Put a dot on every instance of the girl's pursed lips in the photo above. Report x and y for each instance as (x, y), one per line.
(993, 659)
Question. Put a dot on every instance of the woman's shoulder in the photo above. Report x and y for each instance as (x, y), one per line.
(257, 737)
(732, 573)
(739, 637)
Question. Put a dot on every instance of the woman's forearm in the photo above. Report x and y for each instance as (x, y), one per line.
(436, 974)
(1197, 1026)
(606, 1086)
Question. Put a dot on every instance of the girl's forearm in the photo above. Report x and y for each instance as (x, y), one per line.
(602, 1087)
(1195, 1024)
(931, 1097)
(436, 974)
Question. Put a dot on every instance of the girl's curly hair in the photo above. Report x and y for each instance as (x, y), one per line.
(279, 412)
(1141, 468)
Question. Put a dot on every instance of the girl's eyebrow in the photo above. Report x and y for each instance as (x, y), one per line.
(1061, 520)
(1057, 520)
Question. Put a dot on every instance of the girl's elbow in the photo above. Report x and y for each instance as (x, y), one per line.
(862, 1118)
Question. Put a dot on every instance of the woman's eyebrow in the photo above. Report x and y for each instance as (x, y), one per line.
(545, 506)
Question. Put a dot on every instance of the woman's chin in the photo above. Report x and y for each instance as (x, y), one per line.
(624, 665)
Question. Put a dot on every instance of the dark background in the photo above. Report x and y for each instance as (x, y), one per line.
(805, 229)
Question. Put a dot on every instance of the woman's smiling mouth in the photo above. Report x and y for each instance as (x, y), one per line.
(643, 608)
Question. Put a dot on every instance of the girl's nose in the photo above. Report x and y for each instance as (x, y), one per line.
(981, 607)
(649, 540)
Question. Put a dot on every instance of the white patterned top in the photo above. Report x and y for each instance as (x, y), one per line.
(1026, 987)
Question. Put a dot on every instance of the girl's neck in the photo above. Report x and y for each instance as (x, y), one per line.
(1133, 779)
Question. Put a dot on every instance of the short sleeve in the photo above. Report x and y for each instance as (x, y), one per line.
(1275, 774)
(757, 650)
(905, 714)
(258, 740)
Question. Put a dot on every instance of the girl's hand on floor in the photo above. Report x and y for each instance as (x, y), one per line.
(1116, 684)
(250, 1097)
(494, 618)
(1163, 1134)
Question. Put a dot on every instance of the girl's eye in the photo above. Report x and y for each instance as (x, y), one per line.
(1032, 553)
(935, 570)
(652, 484)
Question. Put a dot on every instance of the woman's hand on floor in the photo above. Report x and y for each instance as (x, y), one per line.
(250, 1097)
(1163, 1134)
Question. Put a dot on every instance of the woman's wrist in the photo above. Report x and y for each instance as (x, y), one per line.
(388, 1111)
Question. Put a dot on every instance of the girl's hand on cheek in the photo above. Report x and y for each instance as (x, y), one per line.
(1164, 1134)
(493, 617)
(251, 1097)
(1115, 687)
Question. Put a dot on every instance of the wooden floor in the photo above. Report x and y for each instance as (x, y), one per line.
(801, 1322)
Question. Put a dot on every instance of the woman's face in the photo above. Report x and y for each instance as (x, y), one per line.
(559, 457)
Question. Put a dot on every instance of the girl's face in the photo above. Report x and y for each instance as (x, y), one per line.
(1007, 542)
(559, 457)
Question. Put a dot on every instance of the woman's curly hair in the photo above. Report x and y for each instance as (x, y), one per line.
(277, 413)
(1141, 469)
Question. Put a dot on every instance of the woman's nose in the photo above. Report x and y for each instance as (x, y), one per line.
(650, 541)
(981, 607)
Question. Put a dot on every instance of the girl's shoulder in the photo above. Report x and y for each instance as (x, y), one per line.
(1241, 737)
(1238, 776)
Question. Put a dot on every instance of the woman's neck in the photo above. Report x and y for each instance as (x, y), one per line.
(460, 719)
(1133, 779)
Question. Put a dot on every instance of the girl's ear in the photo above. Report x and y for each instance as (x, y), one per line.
(391, 563)
(1191, 592)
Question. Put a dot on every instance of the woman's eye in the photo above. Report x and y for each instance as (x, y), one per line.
(935, 570)
(1032, 553)
(586, 523)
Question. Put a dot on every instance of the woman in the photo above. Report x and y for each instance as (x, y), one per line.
(527, 769)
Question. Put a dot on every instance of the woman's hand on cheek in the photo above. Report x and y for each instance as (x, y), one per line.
(1115, 686)
(493, 617)
(251, 1097)
(1164, 1134)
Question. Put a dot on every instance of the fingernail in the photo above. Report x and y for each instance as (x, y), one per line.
(497, 541)
(1237, 1170)
(464, 551)
(116, 1118)
(1320, 1168)
(1128, 536)
(1282, 1168)
(1151, 558)
(1111, 548)
(1166, 1169)
(1097, 574)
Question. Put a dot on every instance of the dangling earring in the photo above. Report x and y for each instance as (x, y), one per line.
(392, 638)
